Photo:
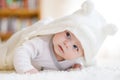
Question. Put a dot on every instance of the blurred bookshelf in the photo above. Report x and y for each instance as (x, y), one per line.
(17, 14)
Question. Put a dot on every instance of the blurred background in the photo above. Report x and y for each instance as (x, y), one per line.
(17, 14)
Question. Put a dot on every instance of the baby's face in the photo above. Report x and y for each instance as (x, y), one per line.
(67, 46)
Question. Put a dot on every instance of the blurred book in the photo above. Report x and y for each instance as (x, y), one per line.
(0, 25)
(4, 25)
(32, 4)
(3, 4)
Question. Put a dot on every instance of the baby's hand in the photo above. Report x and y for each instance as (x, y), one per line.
(32, 71)
(76, 66)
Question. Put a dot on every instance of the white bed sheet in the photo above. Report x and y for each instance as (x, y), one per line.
(91, 73)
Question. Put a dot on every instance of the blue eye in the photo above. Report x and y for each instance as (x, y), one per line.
(75, 47)
(68, 35)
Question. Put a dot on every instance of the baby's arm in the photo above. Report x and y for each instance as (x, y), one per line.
(23, 56)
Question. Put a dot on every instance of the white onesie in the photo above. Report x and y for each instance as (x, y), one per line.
(38, 53)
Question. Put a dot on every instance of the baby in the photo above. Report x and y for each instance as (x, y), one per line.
(61, 51)
(62, 44)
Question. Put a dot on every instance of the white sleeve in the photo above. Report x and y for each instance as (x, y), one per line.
(23, 56)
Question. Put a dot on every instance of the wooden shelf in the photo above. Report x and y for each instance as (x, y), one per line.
(5, 36)
(15, 15)
(19, 13)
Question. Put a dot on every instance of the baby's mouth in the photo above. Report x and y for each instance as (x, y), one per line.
(60, 47)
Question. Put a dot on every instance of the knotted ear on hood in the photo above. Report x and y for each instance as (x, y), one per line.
(86, 8)
(110, 29)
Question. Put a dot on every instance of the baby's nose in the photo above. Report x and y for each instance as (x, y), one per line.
(66, 43)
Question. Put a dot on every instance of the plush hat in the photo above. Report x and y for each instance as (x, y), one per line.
(86, 24)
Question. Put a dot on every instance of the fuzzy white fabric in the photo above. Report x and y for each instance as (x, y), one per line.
(91, 73)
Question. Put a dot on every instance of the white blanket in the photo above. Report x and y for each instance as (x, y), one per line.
(91, 73)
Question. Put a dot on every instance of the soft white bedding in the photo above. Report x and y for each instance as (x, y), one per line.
(91, 73)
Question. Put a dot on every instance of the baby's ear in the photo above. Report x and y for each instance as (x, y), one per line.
(86, 8)
(109, 29)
